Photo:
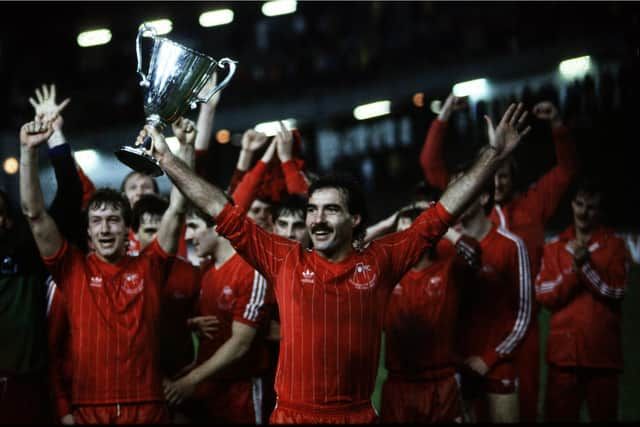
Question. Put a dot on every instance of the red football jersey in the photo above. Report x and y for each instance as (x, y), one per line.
(331, 314)
(421, 318)
(179, 299)
(585, 328)
(235, 292)
(113, 311)
(496, 309)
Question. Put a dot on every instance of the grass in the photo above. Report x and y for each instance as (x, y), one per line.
(629, 405)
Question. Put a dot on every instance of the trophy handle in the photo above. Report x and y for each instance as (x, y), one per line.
(232, 70)
(143, 29)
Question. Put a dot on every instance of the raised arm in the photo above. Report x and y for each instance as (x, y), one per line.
(431, 157)
(205, 126)
(173, 218)
(246, 190)
(204, 195)
(44, 229)
(294, 178)
(545, 196)
(502, 141)
(252, 141)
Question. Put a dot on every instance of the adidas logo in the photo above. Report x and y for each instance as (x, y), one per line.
(308, 276)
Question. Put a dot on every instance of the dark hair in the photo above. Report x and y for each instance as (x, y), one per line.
(111, 198)
(587, 183)
(295, 204)
(490, 185)
(193, 210)
(424, 192)
(354, 198)
(156, 189)
(412, 212)
(151, 204)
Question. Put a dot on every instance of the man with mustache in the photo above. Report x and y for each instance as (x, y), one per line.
(582, 281)
(332, 298)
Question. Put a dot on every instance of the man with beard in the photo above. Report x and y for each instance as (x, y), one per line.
(332, 298)
(582, 282)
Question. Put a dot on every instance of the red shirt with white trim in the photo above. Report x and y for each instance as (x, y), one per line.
(235, 292)
(585, 303)
(331, 314)
(113, 310)
(496, 311)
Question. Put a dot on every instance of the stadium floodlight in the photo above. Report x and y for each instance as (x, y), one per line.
(88, 159)
(473, 88)
(575, 67)
(272, 128)
(94, 37)
(279, 7)
(213, 18)
(162, 26)
(374, 109)
(10, 165)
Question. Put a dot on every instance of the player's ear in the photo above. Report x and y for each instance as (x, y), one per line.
(355, 220)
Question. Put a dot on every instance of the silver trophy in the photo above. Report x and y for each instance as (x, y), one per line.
(172, 85)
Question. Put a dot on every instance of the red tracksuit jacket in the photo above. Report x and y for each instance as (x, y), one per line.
(585, 304)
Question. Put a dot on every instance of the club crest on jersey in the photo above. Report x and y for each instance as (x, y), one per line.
(363, 277)
(226, 300)
(132, 283)
(433, 288)
(308, 276)
(96, 281)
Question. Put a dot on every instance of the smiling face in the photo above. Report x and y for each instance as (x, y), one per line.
(204, 239)
(330, 224)
(107, 231)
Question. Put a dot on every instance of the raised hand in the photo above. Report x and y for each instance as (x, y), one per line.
(158, 147)
(477, 365)
(46, 105)
(453, 103)
(252, 141)
(185, 131)
(505, 138)
(36, 132)
(546, 110)
(284, 143)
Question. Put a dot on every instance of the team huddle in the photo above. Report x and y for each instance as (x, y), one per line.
(280, 319)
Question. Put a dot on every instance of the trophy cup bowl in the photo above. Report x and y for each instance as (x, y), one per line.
(171, 86)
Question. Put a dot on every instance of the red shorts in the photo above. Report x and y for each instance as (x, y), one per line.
(122, 413)
(354, 414)
(421, 401)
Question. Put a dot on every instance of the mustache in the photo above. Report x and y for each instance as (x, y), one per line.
(321, 227)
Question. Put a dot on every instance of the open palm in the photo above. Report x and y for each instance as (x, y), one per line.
(506, 136)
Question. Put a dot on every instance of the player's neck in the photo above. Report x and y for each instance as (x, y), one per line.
(224, 251)
(478, 226)
(337, 256)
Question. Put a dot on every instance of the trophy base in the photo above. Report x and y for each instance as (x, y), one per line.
(139, 161)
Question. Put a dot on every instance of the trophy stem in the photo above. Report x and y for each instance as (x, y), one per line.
(157, 122)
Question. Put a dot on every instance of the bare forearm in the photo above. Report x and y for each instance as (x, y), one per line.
(205, 127)
(31, 198)
(465, 189)
(204, 195)
(228, 353)
(244, 160)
